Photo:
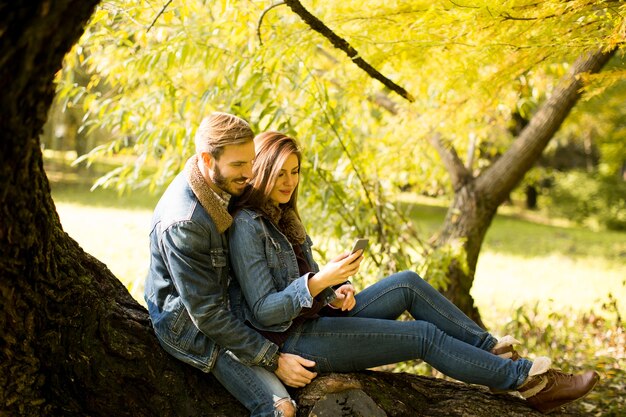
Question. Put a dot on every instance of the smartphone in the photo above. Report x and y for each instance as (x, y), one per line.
(359, 244)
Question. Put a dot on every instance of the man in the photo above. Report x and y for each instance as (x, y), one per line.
(186, 287)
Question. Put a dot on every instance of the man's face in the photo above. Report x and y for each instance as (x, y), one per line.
(233, 169)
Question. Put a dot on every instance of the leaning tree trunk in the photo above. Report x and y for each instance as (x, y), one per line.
(477, 199)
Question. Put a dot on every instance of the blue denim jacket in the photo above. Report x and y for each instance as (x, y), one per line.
(271, 292)
(186, 288)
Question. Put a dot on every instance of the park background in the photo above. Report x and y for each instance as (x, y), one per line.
(552, 268)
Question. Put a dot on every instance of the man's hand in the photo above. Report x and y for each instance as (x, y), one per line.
(291, 370)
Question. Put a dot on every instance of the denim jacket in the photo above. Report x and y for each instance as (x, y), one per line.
(271, 292)
(186, 288)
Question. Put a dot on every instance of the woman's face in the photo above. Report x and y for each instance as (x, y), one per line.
(287, 181)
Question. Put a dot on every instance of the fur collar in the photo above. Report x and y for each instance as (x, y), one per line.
(287, 222)
(207, 197)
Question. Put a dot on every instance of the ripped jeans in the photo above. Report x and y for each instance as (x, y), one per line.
(259, 390)
(440, 334)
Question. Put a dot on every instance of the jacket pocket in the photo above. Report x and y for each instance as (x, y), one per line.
(184, 332)
(308, 251)
(179, 318)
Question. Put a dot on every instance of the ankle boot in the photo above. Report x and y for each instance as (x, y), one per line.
(504, 348)
(540, 366)
(553, 389)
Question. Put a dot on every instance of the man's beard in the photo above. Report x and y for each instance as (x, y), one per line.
(224, 184)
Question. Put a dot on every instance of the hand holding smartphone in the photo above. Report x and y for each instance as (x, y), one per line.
(360, 243)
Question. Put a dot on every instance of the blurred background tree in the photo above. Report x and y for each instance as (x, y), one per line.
(145, 73)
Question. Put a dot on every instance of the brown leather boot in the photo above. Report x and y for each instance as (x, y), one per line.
(504, 348)
(548, 391)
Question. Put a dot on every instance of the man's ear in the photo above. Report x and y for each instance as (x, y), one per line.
(208, 160)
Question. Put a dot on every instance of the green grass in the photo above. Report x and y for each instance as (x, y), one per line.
(80, 195)
(525, 262)
(517, 232)
(525, 239)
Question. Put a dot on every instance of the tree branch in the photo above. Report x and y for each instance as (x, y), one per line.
(504, 174)
(508, 16)
(159, 15)
(258, 26)
(380, 98)
(340, 43)
(459, 174)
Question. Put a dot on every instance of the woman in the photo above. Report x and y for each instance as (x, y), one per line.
(315, 313)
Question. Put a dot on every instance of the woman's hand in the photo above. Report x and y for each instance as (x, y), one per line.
(345, 298)
(341, 268)
(336, 272)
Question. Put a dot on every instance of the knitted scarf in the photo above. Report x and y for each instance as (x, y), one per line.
(206, 196)
(286, 221)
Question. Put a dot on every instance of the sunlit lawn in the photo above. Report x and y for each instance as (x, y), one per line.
(559, 268)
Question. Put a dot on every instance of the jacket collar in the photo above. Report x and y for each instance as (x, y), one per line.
(207, 198)
(287, 221)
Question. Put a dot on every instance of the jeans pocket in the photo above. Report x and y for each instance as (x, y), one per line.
(322, 364)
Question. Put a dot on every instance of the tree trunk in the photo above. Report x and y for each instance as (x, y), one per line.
(468, 218)
(378, 394)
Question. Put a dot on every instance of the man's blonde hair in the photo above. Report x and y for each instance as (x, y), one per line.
(221, 129)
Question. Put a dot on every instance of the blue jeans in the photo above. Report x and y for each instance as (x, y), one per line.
(441, 335)
(256, 388)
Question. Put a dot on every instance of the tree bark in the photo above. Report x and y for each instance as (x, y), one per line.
(374, 394)
(468, 218)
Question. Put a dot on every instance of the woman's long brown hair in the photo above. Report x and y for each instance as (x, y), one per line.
(272, 150)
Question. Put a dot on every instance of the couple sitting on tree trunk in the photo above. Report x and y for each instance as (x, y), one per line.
(281, 317)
